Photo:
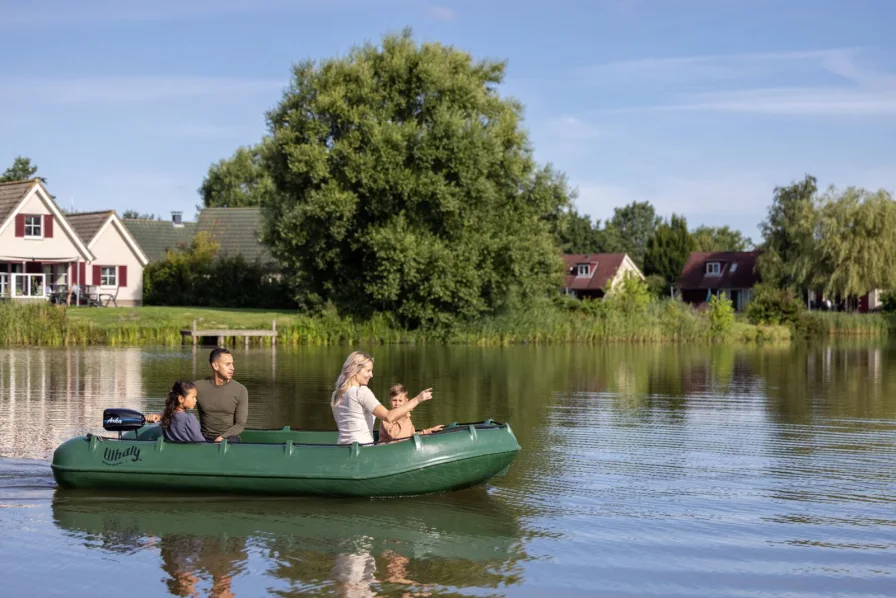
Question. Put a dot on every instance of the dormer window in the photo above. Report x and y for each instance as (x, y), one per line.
(713, 268)
(33, 227)
(583, 269)
(733, 267)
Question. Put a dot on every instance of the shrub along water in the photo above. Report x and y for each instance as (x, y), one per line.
(628, 314)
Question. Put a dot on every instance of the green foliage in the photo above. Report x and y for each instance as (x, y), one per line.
(137, 215)
(630, 295)
(789, 258)
(771, 305)
(723, 238)
(857, 242)
(630, 230)
(196, 275)
(406, 185)
(721, 316)
(577, 234)
(239, 181)
(21, 170)
(657, 285)
(888, 302)
(668, 250)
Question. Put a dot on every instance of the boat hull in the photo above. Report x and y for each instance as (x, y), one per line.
(287, 462)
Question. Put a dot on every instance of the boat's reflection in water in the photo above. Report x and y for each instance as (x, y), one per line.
(348, 547)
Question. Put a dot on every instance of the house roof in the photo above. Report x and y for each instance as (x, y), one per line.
(237, 230)
(156, 236)
(737, 270)
(11, 194)
(88, 224)
(603, 267)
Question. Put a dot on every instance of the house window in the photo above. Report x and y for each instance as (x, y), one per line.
(107, 276)
(733, 267)
(33, 226)
(583, 269)
(713, 268)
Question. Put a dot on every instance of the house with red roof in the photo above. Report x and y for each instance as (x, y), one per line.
(729, 273)
(589, 275)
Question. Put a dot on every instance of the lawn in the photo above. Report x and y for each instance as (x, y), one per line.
(181, 317)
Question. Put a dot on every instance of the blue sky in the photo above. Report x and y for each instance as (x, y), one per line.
(700, 106)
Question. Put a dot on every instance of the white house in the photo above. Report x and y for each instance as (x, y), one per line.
(117, 267)
(42, 254)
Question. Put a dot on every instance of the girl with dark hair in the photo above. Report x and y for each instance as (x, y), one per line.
(177, 424)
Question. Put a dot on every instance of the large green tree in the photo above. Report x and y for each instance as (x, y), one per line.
(239, 181)
(668, 250)
(406, 184)
(21, 170)
(630, 229)
(721, 238)
(790, 230)
(578, 234)
(857, 242)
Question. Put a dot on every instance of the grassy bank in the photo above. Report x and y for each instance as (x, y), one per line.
(818, 323)
(46, 325)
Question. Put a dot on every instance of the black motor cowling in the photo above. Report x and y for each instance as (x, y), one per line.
(122, 420)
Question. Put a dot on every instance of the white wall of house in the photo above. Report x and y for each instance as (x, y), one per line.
(625, 267)
(113, 252)
(61, 245)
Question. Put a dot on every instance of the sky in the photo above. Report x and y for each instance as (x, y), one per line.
(701, 107)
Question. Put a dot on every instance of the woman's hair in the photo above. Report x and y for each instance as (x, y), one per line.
(351, 368)
(397, 389)
(180, 389)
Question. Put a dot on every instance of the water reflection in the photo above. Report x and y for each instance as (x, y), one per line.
(352, 547)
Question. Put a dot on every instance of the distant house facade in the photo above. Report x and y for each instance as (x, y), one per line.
(590, 275)
(236, 230)
(732, 274)
(117, 267)
(46, 253)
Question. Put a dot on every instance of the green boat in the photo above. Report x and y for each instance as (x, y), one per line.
(283, 461)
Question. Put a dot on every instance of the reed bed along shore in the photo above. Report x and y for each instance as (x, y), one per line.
(41, 324)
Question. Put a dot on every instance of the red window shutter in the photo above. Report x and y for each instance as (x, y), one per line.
(48, 226)
(20, 225)
(82, 272)
(122, 276)
(97, 274)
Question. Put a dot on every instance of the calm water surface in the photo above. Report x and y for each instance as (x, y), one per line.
(659, 471)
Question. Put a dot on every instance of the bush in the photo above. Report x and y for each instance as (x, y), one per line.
(630, 296)
(774, 306)
(888, 302)
(195, 275)
(721, 316)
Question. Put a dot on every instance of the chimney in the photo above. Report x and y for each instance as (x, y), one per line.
(176, 219)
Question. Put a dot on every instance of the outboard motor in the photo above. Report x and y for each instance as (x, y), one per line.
(122, 420)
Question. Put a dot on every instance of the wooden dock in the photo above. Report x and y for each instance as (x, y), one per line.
(223, 335)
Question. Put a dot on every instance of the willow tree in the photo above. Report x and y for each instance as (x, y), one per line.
(857, 241)
(406, 184)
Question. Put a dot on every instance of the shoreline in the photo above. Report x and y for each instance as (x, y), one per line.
(41, 324)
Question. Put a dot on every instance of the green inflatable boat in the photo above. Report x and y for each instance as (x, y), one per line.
(283, 461)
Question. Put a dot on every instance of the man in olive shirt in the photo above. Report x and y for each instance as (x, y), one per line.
(222, 402)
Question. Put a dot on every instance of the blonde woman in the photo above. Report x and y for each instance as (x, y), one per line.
(354, 405)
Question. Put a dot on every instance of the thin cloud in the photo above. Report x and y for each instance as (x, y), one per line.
(571, 128)
(105, 90)
(441, 13)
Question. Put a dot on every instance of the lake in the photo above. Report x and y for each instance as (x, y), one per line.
(644, 471)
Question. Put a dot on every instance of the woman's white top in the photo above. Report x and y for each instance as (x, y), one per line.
(354, 415)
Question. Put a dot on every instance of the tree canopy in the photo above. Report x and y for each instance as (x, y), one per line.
(630, 229)
(668, 250)
(722, 238)
(406, 184)
(239, 181)
(21, 170)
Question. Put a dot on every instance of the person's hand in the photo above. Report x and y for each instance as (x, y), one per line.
(219, 439)
(435, 428)
(153, 418)
(424, 395)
